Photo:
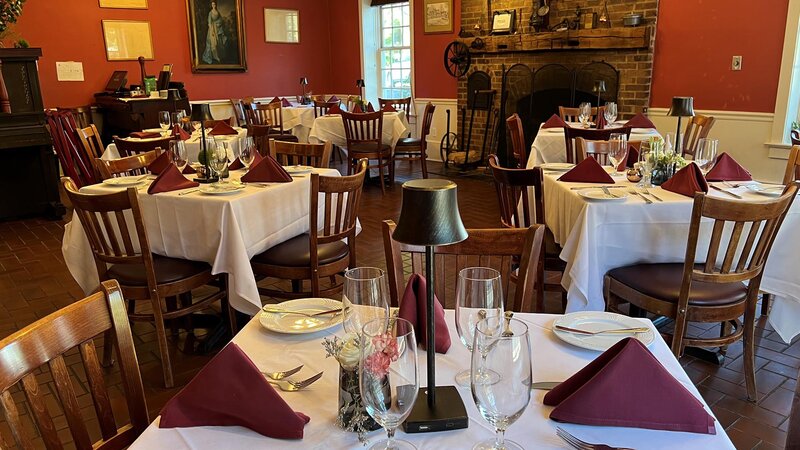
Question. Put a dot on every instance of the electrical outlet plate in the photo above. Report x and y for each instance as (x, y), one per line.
(736, 63)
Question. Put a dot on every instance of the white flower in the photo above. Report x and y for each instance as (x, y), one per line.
(350, 353)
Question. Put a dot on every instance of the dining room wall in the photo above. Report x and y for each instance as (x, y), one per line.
(70, 30)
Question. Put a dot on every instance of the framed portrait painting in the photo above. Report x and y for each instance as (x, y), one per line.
(216, 35)
(438, 16)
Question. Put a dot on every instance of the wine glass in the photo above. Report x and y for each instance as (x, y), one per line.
(388, 376)
(502, 347)
(617, 148)
(610, 112)
(365, 298)
(219, 160)
(164, 121)
(479, 294)
(247, 152)
(177, 149)
(669, 142)
(644, 164)
(705, 154)
(584, 114)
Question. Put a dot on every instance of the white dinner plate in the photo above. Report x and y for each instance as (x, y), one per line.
(126, 181)
(769, 191)
(598, 194)
(298, 324)
(596, 321)
(221, 189)
(557, 167)
(298, 169)
(641, 130)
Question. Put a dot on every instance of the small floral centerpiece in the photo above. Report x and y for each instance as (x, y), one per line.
(663, 162)
(352, 415)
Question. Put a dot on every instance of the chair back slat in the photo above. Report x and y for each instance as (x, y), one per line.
(66, 393)
(517, 133)
(363, 128)
(713, 246)
(792, 172)
(292, 153)
(97, 387)
(337, 226)
(744, 256)
(239, 112)
(127, 166)
(13, 419)
(321, 107)
(590, 134)
(127, 147)
(399, 104)
(733, 244)
(34, 394)
(697, 128)
(512, 188)
(569, 114)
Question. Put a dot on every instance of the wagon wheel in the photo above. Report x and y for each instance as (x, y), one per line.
(457, 59)
(448, 145)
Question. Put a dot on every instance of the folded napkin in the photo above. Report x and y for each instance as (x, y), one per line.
(221, 129)
(159, 164)
(388, 108)
(639, 121)
(414, 309)
(336, 109)
(285, 103)
(333, 99)
(626, 386)
(630, 160)
(180, 133)
(601, 120)
(687, 181)
(554, 122)
(587, 171)
(275, 100)
(370, 108)
(727, 169)
(237, 164)
(356, 109)
(145, 134)
(170, 179)
(188, 170)
(231, 391)
(267, 170)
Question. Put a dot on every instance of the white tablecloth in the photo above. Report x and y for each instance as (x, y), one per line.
(598, 236)
(224, 231)
(298, 120)
(549, 145)
(331, 128)
(192, 145)
(552, 360)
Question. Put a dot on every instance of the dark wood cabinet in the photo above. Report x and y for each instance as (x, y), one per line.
(121, 117)
(29, 175)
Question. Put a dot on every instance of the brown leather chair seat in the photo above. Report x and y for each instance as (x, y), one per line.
(286, 137)
(295, 253)
(663, 281)
(367, 148)
(408, 142)
(167, 270)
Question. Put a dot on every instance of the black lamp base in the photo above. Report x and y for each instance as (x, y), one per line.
(448, 413)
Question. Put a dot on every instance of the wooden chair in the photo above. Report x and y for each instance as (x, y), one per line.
(45, 342)
(143, 276)
(327, 249)
(364, 133)
(292, 153)
(697, 128)
(239, 112)
(792, 172)
(517, 133)
(127, 166)
(81, 114)
(271, 115)
(711, 291)
(518, 210)
(130, 148)
(416, 149)
(502, 249)
(571, 114)
(91, 143)
(321, 107)
(598, 150)
(399, 104)
(261, 135)
(590, 134)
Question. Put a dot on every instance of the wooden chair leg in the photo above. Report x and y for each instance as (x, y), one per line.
(163, 347)
(297, 285)
(227, 309)
(678, 333)
(380, 175)
(750, 350)
(424, 163)
(766, 299)
(172, 305)
(391, 169)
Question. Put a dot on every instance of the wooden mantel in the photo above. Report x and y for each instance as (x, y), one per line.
(591, 39)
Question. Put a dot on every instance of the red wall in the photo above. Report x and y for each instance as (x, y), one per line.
(431, 80)
(695, 42)
(71, 31)
(345, 46)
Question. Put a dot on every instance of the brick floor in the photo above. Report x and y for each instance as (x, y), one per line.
(34, 282)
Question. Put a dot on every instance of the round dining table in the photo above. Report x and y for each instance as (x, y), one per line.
(192, 144)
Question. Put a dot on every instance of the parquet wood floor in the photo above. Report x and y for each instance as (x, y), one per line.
(34, 282)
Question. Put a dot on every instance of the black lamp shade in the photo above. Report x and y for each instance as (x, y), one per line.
(682, 107)
(599, 86)
(304, 81)
(360, 83)
(201, 112)
(429, 214)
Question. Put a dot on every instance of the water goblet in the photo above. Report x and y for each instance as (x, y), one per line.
(247, 152)
(705, 155)
(218, 161)
(177, 149)
(610, 112)
(365, 298)
(165, 122)
(479, 294)
(585, 114)
(617, 148)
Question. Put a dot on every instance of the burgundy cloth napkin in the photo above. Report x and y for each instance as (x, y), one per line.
(388, 108)
(356, 109)
(335, 109)
(414, 307)
(145, 134)
(170, 179)
(687, 181)
(639, 121)
(159, 164)
(333, 99)
(275, 100)
(188, 170)
(601, 120)
(285, 103)
(626, 386)
(267, 170)
(370, 108)
(221, 129)
(630, 160)
(727, 169)
(554, 122)
(231, 391)
(587, 171)
(237, 164)
(180, 133)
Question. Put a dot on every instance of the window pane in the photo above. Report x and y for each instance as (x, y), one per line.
(387, 38)
(386, 17)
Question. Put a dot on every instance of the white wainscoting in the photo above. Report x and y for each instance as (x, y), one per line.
(741, 134)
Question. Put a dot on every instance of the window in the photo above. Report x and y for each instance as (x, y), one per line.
(394, 53)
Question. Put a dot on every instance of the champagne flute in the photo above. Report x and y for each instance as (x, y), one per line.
(218, 161)
(164, 121)
(365, 298)
(247, 152)
(617, 148)
(388, 376)
(502, 347)
(705, 155)
(177, 149)
(479, 294)
(610, 112)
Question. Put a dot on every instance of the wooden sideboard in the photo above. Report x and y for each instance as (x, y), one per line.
(121, 117)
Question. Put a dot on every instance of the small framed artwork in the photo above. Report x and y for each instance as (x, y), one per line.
(127, 40)
(590, 20)
(124, 4)
(438, 16)
(503, 21)
(216, 35)
(282, 26)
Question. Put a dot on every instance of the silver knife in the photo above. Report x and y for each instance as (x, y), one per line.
(545, 385)
(579, 188)
(725, 191)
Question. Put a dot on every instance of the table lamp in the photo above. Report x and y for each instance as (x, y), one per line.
(201, 112)
(681, 107)
(360, 85)
(304, 83)
(429, 217)
(599, 88)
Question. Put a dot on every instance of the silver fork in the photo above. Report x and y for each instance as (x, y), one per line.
(582, 445)
(292, 386)
(647, 191)
(639, 194)
(284, 374)
(608, 193)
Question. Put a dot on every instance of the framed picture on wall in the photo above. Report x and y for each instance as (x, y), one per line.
(438, 16)
(216, 35)
(282, 26)
(127, 40)
(125, 4)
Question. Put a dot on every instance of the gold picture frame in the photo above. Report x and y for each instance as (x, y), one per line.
(217, 36)
(127, 40)
(438, 16)
(123, 4)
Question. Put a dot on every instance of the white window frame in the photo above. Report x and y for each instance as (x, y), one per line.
(787, 103)
(380, 49)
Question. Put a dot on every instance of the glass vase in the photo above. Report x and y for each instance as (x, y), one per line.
(351, 407)
(661, 173)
